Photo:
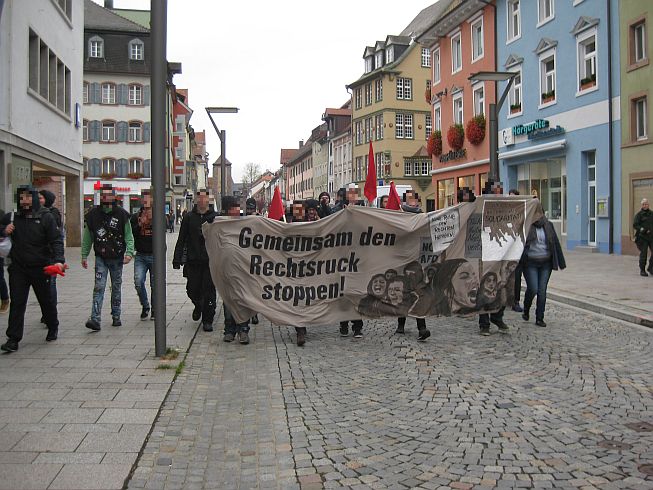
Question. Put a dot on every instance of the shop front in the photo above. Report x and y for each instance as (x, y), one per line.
(128, 192)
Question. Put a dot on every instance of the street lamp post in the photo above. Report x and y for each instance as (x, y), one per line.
(494, 76)
(223, 145)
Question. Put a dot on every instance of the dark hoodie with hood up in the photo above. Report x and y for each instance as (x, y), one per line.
(49, 201)
(191, 238)
(36, 240)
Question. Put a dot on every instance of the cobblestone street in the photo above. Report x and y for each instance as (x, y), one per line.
(568, 406)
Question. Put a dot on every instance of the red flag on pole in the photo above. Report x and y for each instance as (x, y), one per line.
(370, 181)
(394, 202)
(276, 206)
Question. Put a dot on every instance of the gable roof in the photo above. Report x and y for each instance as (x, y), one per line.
(544, 44)
(513, 59)
(584, 23)
(424, 19)
(97, 17)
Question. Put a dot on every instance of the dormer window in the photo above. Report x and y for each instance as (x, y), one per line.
(379, 59)
(390, 55)
(96, 47)
(369, 64)
(136, 50)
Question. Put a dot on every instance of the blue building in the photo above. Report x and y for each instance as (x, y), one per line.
(559, 136)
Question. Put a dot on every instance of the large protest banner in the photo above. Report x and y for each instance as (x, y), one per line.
(370, 263)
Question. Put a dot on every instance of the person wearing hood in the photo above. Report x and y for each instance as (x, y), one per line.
(199, 285)
(324, 209)
(36, 243)
(543, 254)
(341, 201)
(141, 223)
(46, 200)
(312, 210)
(108, 231)
(250, 207)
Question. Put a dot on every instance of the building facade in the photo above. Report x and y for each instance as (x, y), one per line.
(299, 173)
(40, 102)
(636, 88)
(338, 123)
(560, 128)
(320, 159)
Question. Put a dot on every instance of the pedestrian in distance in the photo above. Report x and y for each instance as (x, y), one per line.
(107, 229)
(518, 273)
(141, 223)
(46, 200)
(643, 224)
(36, 244)
(233, 330)
(4, 290)
(543, 254)
(199, 285)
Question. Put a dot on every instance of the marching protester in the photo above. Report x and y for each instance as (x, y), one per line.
(170, 219)
(341, 200)
(36, 243)
(299, 215)
(324, 209)
(643, 224)
(46, 200)
(466, 195)
(107, 229)
(199, 285)
(312, 210)
(231, 208)
(250, 210)
(141, 223)
(543, 254)
(4, 290)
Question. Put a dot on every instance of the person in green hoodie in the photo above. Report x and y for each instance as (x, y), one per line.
(108, 230)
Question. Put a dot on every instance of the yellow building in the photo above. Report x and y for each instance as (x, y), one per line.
(389, 107)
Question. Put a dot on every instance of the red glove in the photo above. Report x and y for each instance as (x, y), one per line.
(53, 270)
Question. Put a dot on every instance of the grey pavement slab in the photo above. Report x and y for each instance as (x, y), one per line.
(90, 476)
(27, 476)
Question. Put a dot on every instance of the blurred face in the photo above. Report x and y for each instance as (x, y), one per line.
(298, 211)
(352, 196)
(645, 204)
(396, 292)
(312, 214)
(41, 200)
(233, 212)
(107, 198)
(411, 200)
(384, 202)
(147, 201)
(250, 210)
(378, 286)
(324, 200)
(25, 200)
(497, 189)
(203, 200)
(465, 285)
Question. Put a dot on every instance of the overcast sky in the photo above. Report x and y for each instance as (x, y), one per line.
(282, 63)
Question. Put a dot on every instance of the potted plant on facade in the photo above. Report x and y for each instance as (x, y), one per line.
(588, 82)
(548, 96)
(434, 143)
(135, 175)
(515, 108)
(475, 129)
(107, 175)
(456, 136)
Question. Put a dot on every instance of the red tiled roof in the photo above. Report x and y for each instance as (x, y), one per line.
(337, 112)
(287, 154)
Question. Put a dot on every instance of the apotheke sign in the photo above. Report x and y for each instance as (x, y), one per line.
(530, 128)
(538, 129)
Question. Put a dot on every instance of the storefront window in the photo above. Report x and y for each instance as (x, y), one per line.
(482, 181)
(446, 193)
(547, 181)
(467, 181)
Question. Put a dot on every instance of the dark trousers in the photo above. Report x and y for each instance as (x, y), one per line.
(200, 289)
(644, 246)
(537, 278)
(356, 325)
(421, 323)
(20, 280)
(4, 291)
(484, 319)
(300, 330)
(230, 325)
(518, 273)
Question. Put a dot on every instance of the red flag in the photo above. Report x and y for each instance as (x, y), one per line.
(370, 181)
(394, 202)
(275, 211)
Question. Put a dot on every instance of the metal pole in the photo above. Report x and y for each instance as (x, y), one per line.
(159, 10)
(494, 145)
(223, 166)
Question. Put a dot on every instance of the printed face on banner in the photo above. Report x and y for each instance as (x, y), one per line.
(502, 230)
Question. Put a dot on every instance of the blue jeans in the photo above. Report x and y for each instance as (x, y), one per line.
(104, 267)
(4, 291)
(537, 276)
(230, 325)
(142, 264)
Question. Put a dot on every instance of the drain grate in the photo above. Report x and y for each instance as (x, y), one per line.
(640, 426)
(615, 445)
(647, 469)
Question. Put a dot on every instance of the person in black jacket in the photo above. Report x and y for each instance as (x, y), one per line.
(46, 200)
(199, 285)
(4, 290)
(643, 224)
(324, 209)
(141, 223)
(36, 243)
(543, 254)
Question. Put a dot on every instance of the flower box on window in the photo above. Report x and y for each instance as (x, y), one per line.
(456, 136)
(135, 175)
(548, 96)
(107, 175)
(434, 143)
(475, 129)
(588, 82)
(515, 108)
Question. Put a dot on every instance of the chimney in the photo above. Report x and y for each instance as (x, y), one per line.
(301, 143)
(108, 4)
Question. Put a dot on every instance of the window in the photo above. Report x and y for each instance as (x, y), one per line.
(403, 126)
(479, 100)
(516, 94)
(108, 93)
(436, 66)
(378, 85)
(514, 20)
(368, 130)
(66, 7)
(369, 64)
(368, 94)
(85, 92)
(426, 57)
(96, 48)
(85, 130)
(477, 39)
(48, 76)
(379, 59)
(544, 11)
(640, 119)
(638, 42)
(136, 50)
(587, 62)
(359, 133)
(135, 132)
(458, 108)
(408, 168)
(108, 131)
(135, 166)
(358, 101)
(446, 191)
(379, 126)
(426, 167)
(456, 54)
(404, 88)
(135, 95)
(428, 124)
(548, 78)
(390, 54)
(108, 166)
(437, 114)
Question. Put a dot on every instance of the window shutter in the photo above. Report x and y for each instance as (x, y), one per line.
(123, 94)
(146, 95)
(96, 93)
(95, 129)
(95, 167)
(122, 127)
(122, 167)
(147, 168)
(146, 132)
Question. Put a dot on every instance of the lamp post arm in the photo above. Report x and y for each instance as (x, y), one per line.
(504, 94)
(214, 125)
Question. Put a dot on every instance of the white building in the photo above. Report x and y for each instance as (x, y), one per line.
(41, 50)
(342, 162)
